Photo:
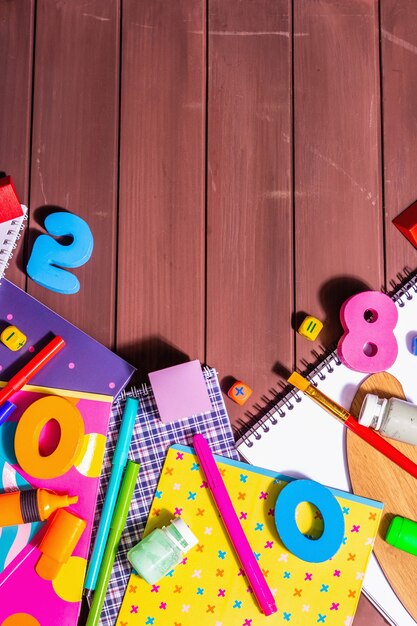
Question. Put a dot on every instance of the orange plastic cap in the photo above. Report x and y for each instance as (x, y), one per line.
(62, 535)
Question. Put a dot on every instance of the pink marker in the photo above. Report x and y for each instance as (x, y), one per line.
(234, 529)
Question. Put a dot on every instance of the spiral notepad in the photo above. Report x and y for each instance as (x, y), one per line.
(298, 438)
(10, 232)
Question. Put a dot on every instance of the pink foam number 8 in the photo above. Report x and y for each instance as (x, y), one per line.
(368, 343)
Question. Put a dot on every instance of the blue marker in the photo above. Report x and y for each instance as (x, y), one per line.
(6, 409)
(118, 465)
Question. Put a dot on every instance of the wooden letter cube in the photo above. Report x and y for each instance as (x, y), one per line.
(310, 328)
(406, 222)
(239, 392)
(9, 202)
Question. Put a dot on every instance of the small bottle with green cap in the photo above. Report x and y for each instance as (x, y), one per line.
(402, 534)
(161, 550)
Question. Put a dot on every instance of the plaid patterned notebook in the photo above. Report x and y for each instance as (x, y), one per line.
(150, 443)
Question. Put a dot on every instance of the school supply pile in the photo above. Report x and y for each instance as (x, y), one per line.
(209, 586)
(76, 388)
(297, 437)
(150, 443)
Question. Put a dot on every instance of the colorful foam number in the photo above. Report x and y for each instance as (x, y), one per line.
(30, 427)
(49, 256)
(368, 343)
(310, 550)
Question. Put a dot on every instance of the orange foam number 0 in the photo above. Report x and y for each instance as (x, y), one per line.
(28, 432)
(368, 343)
(47, 253)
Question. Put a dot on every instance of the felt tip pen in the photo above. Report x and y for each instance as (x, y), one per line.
(233, 527)
(117, 525)
(370, 436)
(6, 410)
(30, 369)
(118, 465)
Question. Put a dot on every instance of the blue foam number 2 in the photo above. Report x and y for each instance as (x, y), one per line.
(48, 255)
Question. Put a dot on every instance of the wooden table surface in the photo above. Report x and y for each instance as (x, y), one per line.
(239, 164)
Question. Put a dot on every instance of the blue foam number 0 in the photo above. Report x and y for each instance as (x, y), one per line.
(49, 256)
(311, 550)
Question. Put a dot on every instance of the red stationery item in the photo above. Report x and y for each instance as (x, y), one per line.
(30, 369)
(10, 207)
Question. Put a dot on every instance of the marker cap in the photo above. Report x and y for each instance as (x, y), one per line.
(402, 534)
(62, 535)
(372, 410)
(181, 535)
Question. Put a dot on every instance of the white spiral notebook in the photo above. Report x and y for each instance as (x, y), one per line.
(298, 438)
(10, 232)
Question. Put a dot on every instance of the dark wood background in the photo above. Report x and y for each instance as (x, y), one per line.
(239, 164)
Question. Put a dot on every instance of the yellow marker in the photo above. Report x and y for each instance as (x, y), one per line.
(32, 505)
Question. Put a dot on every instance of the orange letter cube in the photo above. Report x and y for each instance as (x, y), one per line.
(239, 392)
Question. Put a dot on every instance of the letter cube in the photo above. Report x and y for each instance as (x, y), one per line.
(239, 392)
(13, 338)
(310, 328)
(406, 222)
(9, 202)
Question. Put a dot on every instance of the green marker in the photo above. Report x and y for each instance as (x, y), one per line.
(117, 525)
(402, 534)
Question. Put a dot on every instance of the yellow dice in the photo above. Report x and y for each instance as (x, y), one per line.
(310, 328)
(13, 338)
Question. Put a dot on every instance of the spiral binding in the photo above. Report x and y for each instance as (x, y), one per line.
(9, 243)
(403, 290)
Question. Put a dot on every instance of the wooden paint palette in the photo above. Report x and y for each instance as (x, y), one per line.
(374, 476)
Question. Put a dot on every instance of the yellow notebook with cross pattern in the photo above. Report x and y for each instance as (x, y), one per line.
(209, 587)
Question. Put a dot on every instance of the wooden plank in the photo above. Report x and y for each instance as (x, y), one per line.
(16, 51)
(160, 313)
(75, 145)
(337, 169)
(249, 255)
(399, 82)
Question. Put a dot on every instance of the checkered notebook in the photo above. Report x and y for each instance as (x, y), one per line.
(150, 443)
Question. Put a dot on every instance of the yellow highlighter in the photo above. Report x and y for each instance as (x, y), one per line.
(32, 505)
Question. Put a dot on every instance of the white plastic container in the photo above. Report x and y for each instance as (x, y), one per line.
(393, 418)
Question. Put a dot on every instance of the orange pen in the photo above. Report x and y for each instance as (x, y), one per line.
(32, 505)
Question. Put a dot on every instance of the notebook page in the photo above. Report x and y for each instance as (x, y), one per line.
(302, 440)
(10, 232)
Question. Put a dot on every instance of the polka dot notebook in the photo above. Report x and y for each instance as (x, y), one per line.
(209, 587)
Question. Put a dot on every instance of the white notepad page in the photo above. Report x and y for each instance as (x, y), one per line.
(10, 232)
(300, 439)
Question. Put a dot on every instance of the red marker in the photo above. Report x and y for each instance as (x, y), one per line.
(27, 372)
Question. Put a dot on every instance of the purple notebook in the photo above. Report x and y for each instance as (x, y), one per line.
(83, 364)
